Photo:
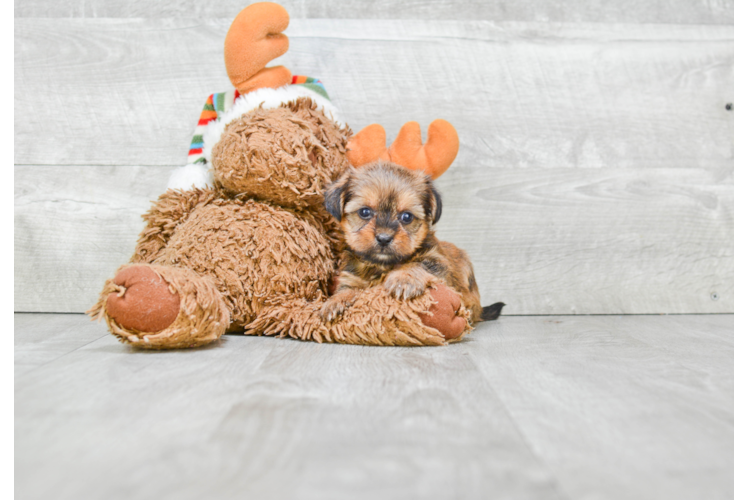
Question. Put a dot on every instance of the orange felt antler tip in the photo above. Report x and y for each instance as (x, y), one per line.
(369, 145)
(254, 39)
(441, 147)
(435, 156)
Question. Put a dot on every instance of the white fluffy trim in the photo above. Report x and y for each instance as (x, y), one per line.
(268, 98)
(191, 175)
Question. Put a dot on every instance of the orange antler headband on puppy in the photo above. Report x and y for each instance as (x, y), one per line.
(434, 157)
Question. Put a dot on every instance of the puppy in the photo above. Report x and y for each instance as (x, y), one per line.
(386, 213)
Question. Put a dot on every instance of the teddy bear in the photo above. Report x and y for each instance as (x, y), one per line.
(241, 240)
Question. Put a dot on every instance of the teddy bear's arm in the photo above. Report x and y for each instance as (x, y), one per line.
(373, 318)
(171, 209)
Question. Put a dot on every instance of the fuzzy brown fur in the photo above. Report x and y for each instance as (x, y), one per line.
(203, 315)
(257, 251)
(386, 212)
(284, 155)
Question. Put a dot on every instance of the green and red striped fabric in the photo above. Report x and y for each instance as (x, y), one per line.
(219, 103)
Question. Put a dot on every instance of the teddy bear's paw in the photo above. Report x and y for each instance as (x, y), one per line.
(444, 314)
(144, 301)
(404, 285)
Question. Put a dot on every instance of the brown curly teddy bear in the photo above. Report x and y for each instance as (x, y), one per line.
(248, 246)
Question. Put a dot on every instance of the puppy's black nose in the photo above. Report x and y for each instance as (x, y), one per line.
(384, 239)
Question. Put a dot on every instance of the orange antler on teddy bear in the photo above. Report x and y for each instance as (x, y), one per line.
(254, 39)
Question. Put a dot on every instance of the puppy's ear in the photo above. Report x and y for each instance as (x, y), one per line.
(335, 196)
(435, 203)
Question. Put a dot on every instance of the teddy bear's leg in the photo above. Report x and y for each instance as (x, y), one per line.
(162, 307)
(375, 318)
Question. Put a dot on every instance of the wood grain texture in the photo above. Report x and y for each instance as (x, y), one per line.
(521, 95)
(525, 408)
(595, 242)
(548, 241)
(43, 338)
(268, 418)
(649, 398)
(637, 11)
(73, 227)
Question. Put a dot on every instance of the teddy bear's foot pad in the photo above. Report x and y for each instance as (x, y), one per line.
(144, 301)
(445, 315)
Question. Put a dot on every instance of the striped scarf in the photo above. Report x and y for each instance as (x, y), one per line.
(220, 103)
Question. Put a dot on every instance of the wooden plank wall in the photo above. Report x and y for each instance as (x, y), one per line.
(633, 11)
(595, 173)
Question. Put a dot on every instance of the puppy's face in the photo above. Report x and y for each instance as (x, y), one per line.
(385, 210)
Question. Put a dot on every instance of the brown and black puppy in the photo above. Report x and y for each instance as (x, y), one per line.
(386, 213)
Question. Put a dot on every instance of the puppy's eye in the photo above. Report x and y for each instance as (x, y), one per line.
(406, 217)
(365, 213)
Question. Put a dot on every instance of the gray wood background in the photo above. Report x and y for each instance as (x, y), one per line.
(595, 173)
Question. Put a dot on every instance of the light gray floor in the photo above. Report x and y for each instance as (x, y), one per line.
(570, 407)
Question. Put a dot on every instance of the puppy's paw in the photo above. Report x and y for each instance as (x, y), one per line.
(404, 285)
(333, 308)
